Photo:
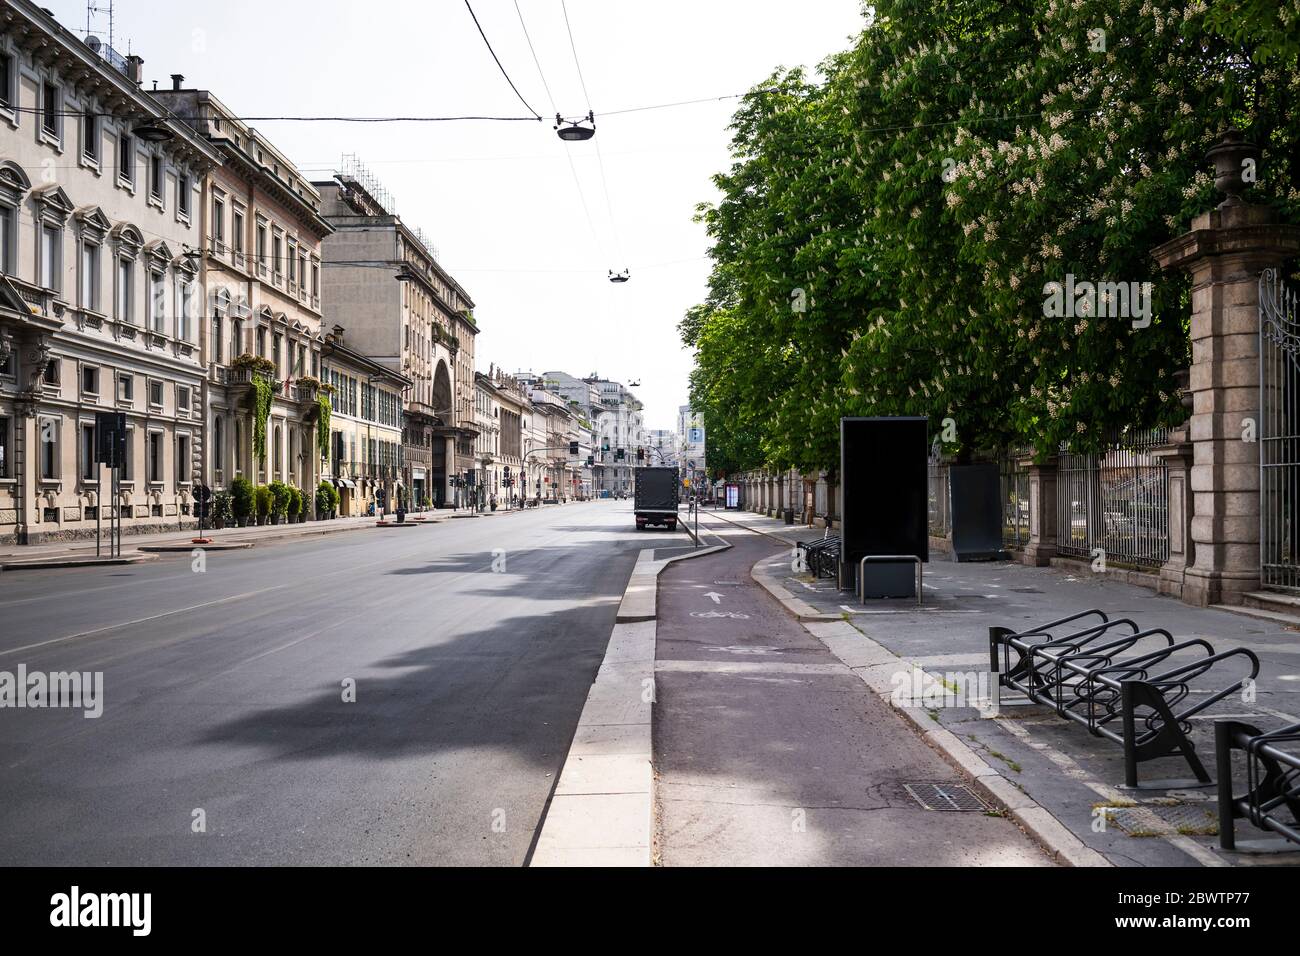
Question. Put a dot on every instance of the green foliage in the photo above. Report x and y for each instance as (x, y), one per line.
(222, 507)
(297, 502)
(280, 498)
(242, 497)
(323, 425)
(327, 497)
(263, 393)
(263, 497)
(884, 234)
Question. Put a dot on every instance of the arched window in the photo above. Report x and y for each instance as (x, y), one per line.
(218, 443)
(277, 460)
(239, 446)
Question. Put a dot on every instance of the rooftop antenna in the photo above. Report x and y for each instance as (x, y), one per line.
(93, 12)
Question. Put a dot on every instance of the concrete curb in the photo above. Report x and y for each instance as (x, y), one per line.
(179, 548)
(602, 810)
(877, 667)
(77, 561)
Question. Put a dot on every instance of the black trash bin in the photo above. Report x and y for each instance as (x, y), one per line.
(788, 515)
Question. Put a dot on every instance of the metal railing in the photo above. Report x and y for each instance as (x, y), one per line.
(1116, 501)
(1014, 480)
(1279, 434)
(939, 516)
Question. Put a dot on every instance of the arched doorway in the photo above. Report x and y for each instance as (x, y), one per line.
(439, 464)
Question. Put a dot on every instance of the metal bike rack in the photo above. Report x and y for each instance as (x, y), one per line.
(1098, 676)
(859, 587)
(1272, 785)
(821, 556)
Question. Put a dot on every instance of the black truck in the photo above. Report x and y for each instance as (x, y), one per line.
(656, 497)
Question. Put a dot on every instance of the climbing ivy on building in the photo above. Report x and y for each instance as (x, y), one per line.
(323, 425)
(263, 389)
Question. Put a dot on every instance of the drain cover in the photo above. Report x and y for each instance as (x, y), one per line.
(945, 796)
(1153, 820)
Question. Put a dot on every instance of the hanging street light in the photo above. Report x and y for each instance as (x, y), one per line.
(619, 276)
(575, 132)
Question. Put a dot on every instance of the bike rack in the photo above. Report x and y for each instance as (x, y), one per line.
(1272, 785)
(858, 588)
(1094, 675)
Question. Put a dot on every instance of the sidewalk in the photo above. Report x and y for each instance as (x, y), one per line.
(1058, 763)
(770, 751)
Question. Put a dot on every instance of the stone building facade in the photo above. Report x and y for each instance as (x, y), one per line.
(100, 231)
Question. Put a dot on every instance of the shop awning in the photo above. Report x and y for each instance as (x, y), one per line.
(344, 483)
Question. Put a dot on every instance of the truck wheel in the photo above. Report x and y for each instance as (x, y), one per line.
(672, 526)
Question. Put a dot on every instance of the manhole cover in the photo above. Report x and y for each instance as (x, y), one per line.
(1149, 820)
(945, 796)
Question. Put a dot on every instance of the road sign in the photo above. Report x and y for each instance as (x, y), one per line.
(691, 464)
(110, 438)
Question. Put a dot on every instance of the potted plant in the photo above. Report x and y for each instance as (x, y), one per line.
(242, 500)
(279, 501)
(263, 498)
(294, 509)
(326, 500)
(222, 512)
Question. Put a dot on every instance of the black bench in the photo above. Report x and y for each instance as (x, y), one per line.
(1272, 798)
(1118, 680)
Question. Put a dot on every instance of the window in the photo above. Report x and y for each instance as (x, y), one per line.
(51, 256)
(261, 341)
(156, 177)
(158, 301)
(90, 380)
(302, 271)
(50, 109)
(183, 195)
(261, 247)
(156, 394)
(126, 158)
(182, 459)
(156, 456)
(125, 275)
(128, 456)
(277, 262)
(6, 80)
(218, 224)
(49, 439)
(185, 313)
(52, 372)
(4, 447)
(218, 443)
(8, 218)
(293, 258)
(275, 351)
(216, 339)
(89, 467)
(125, 387)
(182, 399)
(90, 134)
(237, 233)
(90, 276)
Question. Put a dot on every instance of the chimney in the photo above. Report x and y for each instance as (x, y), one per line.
(135, 69)
(178, 81)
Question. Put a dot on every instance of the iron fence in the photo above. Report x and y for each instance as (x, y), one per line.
(940, 517)
(1116, 501)
(1279, 434)
(1015, 498)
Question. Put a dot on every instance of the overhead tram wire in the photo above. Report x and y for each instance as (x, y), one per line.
(536, 115)
(577, 183)
(600, 160)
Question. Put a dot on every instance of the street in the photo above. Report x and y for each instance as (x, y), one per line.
(226, 737)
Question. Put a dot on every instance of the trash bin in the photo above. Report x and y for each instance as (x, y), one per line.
(401, 514)
(788, 515)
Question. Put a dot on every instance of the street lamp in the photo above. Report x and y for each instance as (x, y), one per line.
(575, 132)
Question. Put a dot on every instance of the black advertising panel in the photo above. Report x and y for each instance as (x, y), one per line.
(976, 493)
(884, 478)
(110, 438)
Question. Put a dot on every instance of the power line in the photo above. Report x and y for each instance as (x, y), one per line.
(498, 62)
(600, 160)
(586, 211)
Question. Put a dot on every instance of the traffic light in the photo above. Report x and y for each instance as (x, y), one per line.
(640, 454)
(591, 460)
(604, 444)
(573, 449)
(618, 454)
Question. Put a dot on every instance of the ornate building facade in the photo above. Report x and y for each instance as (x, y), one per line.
(100, 308)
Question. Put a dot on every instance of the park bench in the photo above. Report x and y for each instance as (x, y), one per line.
(1272, 798)
(1122, 682)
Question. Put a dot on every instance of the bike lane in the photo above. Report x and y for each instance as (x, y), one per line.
(769, 751)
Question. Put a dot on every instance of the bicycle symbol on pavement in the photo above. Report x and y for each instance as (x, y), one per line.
(733, 614)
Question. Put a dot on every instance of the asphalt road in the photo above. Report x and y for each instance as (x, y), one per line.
(224, 693)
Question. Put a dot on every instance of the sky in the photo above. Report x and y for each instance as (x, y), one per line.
(529, 235)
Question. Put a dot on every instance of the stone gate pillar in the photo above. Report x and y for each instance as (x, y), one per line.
(1042, 544)
(1225, 252)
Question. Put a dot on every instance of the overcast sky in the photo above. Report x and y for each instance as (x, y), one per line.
(499, 200)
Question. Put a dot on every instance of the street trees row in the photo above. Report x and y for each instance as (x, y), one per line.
(887, 230)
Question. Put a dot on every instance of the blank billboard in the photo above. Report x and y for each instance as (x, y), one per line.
(884, 487)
